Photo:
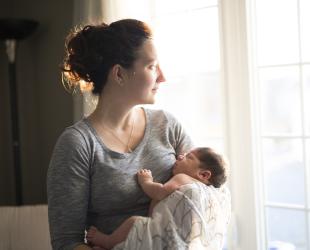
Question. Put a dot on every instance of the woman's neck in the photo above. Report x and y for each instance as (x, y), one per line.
(112, 113)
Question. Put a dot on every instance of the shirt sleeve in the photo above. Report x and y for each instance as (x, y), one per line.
(179, 137)
(68, 185)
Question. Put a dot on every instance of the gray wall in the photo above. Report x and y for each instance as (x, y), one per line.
(45, 108)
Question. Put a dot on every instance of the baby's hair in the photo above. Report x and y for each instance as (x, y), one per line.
(214, 162)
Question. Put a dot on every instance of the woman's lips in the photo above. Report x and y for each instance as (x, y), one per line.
(155, 88)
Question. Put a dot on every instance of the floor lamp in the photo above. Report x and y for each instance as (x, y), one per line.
(11, 31)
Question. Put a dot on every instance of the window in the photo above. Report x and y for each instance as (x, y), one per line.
(282, 74)
(187, 35)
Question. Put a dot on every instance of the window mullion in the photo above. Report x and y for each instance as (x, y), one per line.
(304, 134)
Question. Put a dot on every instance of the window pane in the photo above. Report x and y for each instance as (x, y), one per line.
(170, 47)
(190, 59)
(277, 32)
(280, 100)
(193, 44)
(203, 33)
(284, 171)
(216, 143)
(196, 101)
(304, 29)
(306, 80)
(163, 7)
(285, 232)
(129, 9)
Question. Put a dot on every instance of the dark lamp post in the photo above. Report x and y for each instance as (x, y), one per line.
(12, 30)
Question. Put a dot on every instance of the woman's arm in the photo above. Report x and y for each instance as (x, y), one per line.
(158, 191)
(178, 137)
(68, 190)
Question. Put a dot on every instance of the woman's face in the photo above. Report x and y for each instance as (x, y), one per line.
(145, 75)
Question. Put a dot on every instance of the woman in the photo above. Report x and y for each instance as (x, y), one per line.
(91, 178)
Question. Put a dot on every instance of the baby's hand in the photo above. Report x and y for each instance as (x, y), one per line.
(144, 175)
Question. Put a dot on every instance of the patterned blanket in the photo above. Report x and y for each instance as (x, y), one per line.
(193, 217)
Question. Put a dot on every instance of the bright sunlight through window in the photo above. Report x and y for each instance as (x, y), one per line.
(187, 36)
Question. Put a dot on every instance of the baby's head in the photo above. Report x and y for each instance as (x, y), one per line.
(203, 164)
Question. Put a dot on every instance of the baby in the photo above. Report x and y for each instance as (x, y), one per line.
(200, 164)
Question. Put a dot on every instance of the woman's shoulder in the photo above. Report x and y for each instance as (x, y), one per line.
(78, 133)
(158, 115)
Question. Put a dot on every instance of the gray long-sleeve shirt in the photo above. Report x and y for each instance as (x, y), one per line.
(89, 184)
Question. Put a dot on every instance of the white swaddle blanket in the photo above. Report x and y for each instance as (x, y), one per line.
(193, 217)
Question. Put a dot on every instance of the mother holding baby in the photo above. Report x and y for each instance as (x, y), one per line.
(92, 174)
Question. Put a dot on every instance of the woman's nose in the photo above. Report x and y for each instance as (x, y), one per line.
(160, 77)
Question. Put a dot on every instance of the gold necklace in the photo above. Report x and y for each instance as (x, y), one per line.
(121, 141)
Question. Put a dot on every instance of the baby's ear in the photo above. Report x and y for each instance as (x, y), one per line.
(204, 175)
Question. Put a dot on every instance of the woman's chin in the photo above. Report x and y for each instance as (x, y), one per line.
(149, 101)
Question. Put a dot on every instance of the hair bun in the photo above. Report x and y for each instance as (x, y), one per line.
(91, 51)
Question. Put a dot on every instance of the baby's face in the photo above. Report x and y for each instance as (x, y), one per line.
(187, 164)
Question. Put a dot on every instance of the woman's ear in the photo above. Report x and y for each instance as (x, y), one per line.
(204, 175)
(117, 74)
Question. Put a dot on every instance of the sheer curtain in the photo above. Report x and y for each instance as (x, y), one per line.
(86, 11)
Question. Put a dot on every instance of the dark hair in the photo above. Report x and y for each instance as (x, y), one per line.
(214, 162)
(91, 51)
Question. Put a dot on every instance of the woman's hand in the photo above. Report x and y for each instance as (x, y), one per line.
(144, 175)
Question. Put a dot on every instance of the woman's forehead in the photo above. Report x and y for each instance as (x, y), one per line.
(147, 53)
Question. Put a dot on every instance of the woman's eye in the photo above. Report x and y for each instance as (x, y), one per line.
(153, 67)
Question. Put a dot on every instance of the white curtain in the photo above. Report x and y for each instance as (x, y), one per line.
(86, 11)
